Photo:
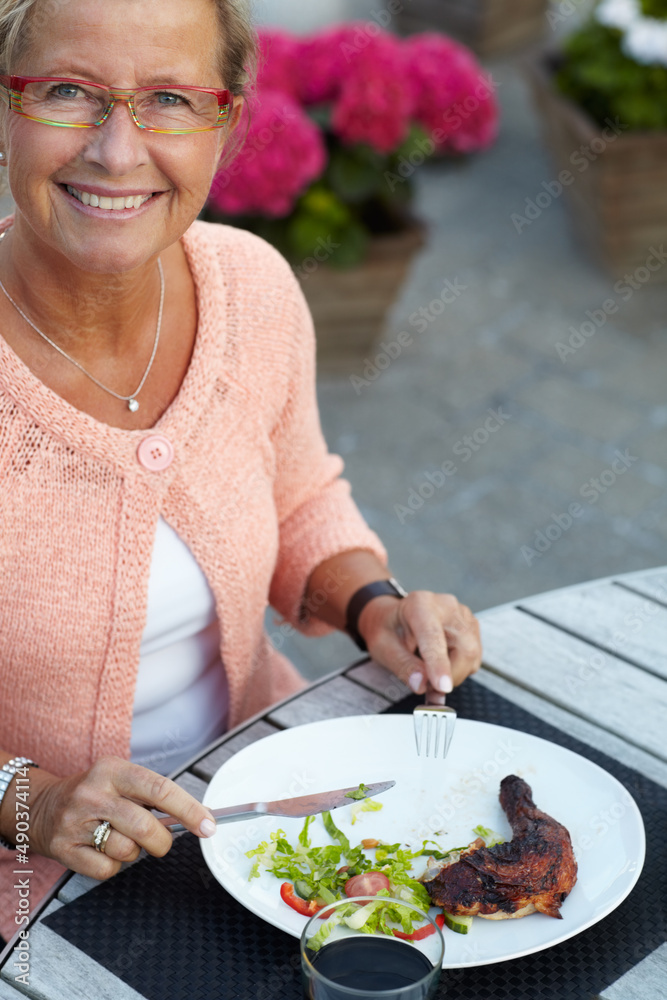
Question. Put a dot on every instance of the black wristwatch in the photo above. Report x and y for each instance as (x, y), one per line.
(360, 599)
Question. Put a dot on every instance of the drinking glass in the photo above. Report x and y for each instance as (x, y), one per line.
(350, 964)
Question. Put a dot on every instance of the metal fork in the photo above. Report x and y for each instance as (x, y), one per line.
(434, 728)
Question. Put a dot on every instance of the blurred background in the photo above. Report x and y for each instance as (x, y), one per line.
(580, 403)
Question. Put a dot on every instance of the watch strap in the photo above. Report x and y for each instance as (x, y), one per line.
(7, 773)
(360, 599)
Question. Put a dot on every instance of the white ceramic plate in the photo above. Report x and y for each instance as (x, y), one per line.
(443, 800)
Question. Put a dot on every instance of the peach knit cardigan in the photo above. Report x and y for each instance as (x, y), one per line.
(252, 491)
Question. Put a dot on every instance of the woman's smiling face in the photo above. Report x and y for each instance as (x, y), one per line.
(125, 44)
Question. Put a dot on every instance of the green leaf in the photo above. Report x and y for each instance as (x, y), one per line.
(356, 174)
(304, 839)
(359, 793)
(490, 837)
(606, 83)
(654, 8)
(353, 244)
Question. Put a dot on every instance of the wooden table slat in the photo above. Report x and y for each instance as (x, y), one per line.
(652, 585)
(192, 784)
(648, 979)
(75, 887)
(207, 766)
(9, 992)
(376, 678)
(577, 727)
(595, 685)
(58, 970)
(331, 700)
(622, 622)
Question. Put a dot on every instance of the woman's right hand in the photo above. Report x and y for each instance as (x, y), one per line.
(64, 813)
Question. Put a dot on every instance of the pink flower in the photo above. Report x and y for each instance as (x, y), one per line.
(374, 104)
(279, 62)
(325, 61)
(282, 154)
(452, 97)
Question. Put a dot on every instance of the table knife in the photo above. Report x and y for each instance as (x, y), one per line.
(303, 805)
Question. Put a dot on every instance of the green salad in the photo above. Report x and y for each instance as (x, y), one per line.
(313, 877)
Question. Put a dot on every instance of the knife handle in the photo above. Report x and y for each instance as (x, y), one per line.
(228, 814)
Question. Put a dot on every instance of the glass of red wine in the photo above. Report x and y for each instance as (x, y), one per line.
(341, 959)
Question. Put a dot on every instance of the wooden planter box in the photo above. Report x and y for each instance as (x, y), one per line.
(487, 26)
(350, 307)
(618, 196)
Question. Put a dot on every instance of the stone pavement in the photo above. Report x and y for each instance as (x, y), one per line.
(555, 460)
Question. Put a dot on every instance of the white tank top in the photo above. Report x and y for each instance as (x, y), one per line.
(181, 698)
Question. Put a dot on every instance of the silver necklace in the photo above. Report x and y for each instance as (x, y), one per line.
(131, 400)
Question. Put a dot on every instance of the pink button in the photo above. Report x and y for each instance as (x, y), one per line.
(156, 453)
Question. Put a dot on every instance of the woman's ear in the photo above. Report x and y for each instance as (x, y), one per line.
(237, 112)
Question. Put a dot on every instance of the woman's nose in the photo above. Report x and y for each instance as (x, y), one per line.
(118, 145)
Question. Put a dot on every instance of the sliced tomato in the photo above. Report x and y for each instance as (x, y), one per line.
(440, 920)
(307, 907)
(419, 935)
(367, 884)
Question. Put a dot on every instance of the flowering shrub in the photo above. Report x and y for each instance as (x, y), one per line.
(444, 74)
(616, 65)
(283, 152)
(337, 125)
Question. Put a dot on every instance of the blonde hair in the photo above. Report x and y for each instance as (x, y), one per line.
(237, 51)
(237, 58)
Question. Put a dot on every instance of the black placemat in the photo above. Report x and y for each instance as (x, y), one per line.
(169, 930)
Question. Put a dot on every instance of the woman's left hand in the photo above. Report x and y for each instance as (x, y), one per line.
(430, 641)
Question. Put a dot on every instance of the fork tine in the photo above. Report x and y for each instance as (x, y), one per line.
(418, 726)
(434, 728)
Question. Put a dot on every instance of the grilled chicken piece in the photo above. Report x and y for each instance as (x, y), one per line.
(536, 870)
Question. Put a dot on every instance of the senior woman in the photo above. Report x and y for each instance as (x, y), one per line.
(163, 476)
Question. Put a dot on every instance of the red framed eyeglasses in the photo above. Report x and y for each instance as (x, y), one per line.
(68, 103)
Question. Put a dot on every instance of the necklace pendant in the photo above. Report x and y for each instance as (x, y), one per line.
(133, 405)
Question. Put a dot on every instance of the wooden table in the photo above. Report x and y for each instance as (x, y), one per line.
(589, 659)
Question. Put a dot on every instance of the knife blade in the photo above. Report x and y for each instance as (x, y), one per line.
(302, 805)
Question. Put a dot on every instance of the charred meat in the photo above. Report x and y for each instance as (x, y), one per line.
(536, 870)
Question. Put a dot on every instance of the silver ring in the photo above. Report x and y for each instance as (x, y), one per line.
(101, 835)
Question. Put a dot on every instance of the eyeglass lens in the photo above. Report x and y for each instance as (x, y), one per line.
(67, 103)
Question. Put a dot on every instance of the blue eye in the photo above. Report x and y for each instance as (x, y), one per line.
(65, 90)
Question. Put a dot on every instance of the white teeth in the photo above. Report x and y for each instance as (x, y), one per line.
(109, 204)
